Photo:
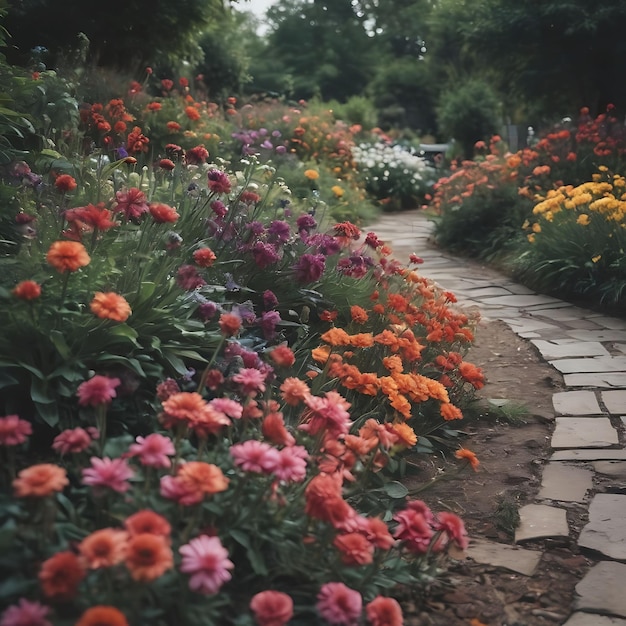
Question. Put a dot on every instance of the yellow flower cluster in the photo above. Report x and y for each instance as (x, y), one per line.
(606, 198)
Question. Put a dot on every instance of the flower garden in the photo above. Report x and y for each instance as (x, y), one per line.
(212, 378)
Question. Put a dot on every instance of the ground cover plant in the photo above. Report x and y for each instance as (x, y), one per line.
(209, 386)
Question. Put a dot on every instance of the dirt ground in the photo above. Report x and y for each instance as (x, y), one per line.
(512, 449)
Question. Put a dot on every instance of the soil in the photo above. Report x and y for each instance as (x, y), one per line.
(512, 449)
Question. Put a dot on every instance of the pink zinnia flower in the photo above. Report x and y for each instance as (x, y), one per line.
(110, 473)
(339, 604)
(291, 466)
(414, 530)
(207, 561)
(232, 408)
(218, 181)
(72, 441)
(272, 608)
(153, 450)
(178, 490)
(328, 414)
(252, 380)
(355, 549)
(453, 527)
(25, 613)
(97, 390)
(383, 611)
(13, 430)
(132, 203)
(255, 456)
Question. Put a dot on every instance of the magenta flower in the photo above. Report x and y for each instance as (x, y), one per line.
(338, 604)
(310, 268)
(110, 473)
(278, 231)
(72, 441)
(291, 466)
(252, 380)
(264, 254)
(413, 530)
(269, 320)
(218, 181)
(153, 450)
(97, 390)
(25, 613)
(207, 561)
(255, 456)
(13, 430)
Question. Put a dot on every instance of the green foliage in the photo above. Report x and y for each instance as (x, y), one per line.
(468, 113)
(355, 110)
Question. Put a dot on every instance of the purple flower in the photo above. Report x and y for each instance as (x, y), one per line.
(278, 231)
(264, 254)
(325, 244)
(269, 319)
(256, 228)
(270, 301)
(309, 268)
(306, 223)
(281, 149)
(245, 312)
(207, 310)
(188, 278)
(219, 208)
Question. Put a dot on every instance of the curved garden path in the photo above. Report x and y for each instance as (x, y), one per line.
(587, 461)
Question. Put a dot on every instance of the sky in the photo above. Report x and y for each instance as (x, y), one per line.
(258, 7)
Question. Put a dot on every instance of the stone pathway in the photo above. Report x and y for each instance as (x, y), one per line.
(589, 349)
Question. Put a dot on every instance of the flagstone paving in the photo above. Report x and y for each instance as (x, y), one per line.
(588, 441)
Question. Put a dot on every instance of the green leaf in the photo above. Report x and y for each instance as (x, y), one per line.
(7, 534)
(48, 413)
(6, 380)
(124, 330)
(58, 340)
(395, 490)
(39, 391)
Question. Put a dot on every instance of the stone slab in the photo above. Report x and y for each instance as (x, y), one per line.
(525, 324)
(538, 521)
(502, 555)
(524, 300)
(598, 335)
(615, 401)
(592, 364)
(615, 454)
(486, 292)
(565, 483)
(606, 531)
(616, 469)
(584, 324)
(613, 323)
(600, 379)
(602, 589)
(583, 432)
(560, 349)
(591, 619)
(576, 403)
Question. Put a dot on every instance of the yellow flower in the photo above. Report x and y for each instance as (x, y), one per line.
(536, 228)
(337, 190)
(596, 258)
(531, 238)
(583, 219)
(311, 174)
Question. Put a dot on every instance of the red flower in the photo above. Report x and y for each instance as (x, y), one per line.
(192, 113)
(65, 183)
(229, 324)
(197, 155)
(383, 611)
(204, 257)
(110, 306)
(218, 181)
(272, 608)
(61, 575)
(27, 290)
(136, 141)
(162, 213)
(283, 356)
(132, 203)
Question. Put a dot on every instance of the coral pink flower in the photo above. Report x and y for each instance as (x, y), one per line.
(283, 356)
(103, 548)
(293, 391)
(383, 611)
(39, 481)
(229, 324)
(60, 575)
(153, 450)
(329, 414)
(324, 500)
(355, 549)
(110, 473)
(148, 556)
(207, 561)
(255, 456)
(274, 430)
(97, 390)
(414, 530)
(271, 608)
(13, 430)
(252, 380)
(72, 441)
(453, 527)
(204, 257)
(65, 183)
(162, 213)
(25, 613)
(338, 604)
(132, 203)
(229, 407)
(147, 521)
(173, 488)
(27, 290)
(291, 466)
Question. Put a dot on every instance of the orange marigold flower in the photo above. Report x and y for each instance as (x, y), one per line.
(40, 480)
(472, 374)
(205, 478)
(450, 412)
(336, 337)
(103, 548)
(192, 113)
(362, 340)
(147, 521)
(469, 456)
(27, 290)
(405, 434)
(393, 363)
(311, 174)
(358, 314)
(229, 324)
(162, 213)
(378, 308)
(102, 615)
(328, 316)
(293, 391)
(137, 141)
(148, 556)
(347, 229)
(283, 356)
(186, 407)
(61, 575)
(321, 354)
(67, 256)
(110, 306)
(65, 183)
